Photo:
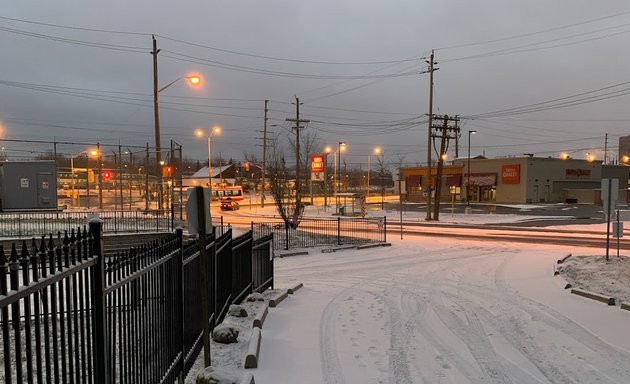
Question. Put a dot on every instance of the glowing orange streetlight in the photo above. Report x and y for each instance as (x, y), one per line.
(564, 156)
(216, 130)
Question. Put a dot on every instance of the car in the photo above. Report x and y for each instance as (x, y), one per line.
(229, 205)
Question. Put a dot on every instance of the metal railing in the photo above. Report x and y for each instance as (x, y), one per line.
(320, 232)
(70, 313)
(27, 224)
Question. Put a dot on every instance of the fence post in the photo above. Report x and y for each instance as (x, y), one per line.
(385, 229)
(286, 235)
(179, 268)
(338, 230)
(203, 271)
(101, 354)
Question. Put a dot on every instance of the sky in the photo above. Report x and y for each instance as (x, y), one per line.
(529, 77)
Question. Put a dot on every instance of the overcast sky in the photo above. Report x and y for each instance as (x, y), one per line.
(355, 65)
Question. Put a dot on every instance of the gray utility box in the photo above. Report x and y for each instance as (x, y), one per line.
(28, 185)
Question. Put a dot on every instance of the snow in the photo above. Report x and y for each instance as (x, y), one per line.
(434, 310)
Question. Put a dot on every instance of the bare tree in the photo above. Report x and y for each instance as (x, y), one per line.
(287, 202)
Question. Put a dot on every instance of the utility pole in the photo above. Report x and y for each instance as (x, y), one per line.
(120, 178)
(427, 183)
(606, 149)
(447, 133)
(146, 179)
(156, 117)
(297, 121)
(100, 177)
(264, 159)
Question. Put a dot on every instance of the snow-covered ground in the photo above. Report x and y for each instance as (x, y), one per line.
(429, 310)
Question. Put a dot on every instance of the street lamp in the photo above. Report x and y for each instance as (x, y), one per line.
(341, 146)
(216, 130)
(377, 151)
(92, 152)
(327, 152)
(470, 132)
(590, 157)
(194, 80)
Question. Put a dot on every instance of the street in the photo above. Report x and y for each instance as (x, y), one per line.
(440, 311)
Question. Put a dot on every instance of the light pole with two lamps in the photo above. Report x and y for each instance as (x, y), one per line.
(216, 130)
(341, 146)
(92, 152)
(377, 151)
(470, 132)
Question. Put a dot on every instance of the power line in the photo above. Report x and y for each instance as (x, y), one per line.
(74, 28)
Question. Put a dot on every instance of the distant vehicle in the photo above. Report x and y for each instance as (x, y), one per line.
(235, 192)
(228, 204)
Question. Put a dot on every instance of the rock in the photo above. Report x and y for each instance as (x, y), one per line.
(237, 311)
(225, 334)
(255, 297)
(215, 375)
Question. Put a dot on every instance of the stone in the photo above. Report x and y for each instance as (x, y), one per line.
(225, 334)
(237, 311)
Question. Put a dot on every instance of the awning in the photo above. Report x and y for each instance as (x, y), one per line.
(454, 180)
(482, 179)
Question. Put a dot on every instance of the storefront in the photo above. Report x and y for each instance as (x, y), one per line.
(520, 180)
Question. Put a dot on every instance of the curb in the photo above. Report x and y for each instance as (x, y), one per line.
(251, 359)
(259, 320)
(564, 259)
(341, 248)
(295, 288)
(374, 245)
(275, 300)
(300, 253)
(625, 306)
(594, 296)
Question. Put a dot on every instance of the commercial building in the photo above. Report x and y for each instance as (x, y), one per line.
(520, 180)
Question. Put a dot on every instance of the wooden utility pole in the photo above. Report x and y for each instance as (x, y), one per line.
(156, 118)
(264, 159)
(427, 183)
(447, 133)
(606, 149)
(297, 127)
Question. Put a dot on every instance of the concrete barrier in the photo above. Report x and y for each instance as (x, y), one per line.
(625, 306)
(298, 253)
(339, 248)
(365, 246)
(594, 296)
(259, 320)
(277, 298)
(251, 359)
(295, 288)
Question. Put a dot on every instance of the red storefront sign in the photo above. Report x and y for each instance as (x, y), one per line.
(511, 174)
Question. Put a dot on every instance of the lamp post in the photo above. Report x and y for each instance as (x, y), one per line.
(377, 151)
(201, 133)
(470, 132)
(327, 152)
(194, 80)
(340, 146)
(92, 152)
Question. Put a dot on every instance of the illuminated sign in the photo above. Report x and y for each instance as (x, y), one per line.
(317, 167)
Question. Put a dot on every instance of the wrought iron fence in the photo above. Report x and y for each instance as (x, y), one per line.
(319, 232)
(70, 313)
(35, 223)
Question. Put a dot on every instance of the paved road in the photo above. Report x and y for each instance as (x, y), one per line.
(438, 311)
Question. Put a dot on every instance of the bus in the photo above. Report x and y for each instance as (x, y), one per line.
(234, 191)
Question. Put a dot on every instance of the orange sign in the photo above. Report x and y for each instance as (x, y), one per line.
(511, 174)
(317, 163)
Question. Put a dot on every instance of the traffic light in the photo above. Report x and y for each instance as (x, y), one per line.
(107, 175)
(167, 171)
(247, 167)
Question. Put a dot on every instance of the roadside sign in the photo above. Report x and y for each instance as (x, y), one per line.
(617, 229)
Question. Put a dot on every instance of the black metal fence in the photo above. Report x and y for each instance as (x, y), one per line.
(35, 223)
(69, 313)
(319, 232)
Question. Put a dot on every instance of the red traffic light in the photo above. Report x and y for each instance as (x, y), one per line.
(247, 166)
(107, 175)
(167, 170)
